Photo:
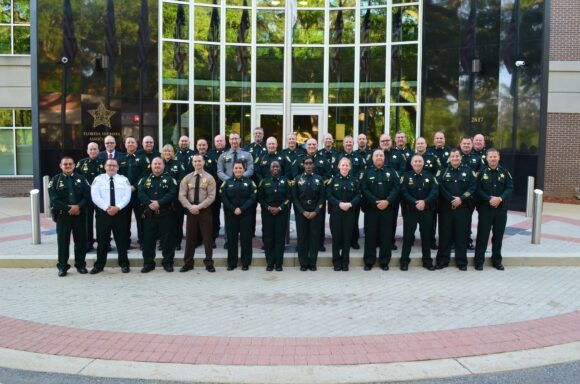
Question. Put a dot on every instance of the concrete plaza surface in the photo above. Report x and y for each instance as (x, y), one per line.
(291, 326)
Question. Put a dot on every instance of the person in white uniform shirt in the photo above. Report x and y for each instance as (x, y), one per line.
(111, 193)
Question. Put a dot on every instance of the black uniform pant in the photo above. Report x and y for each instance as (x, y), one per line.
(65, 225)
(453, 229)
(239, 227)
(308, 233)
(196, 225)
(137, 208)
(356, 230)
(341, 224)
(90, 223)
(118, 225)
(396, 205)
(322, 224)
(412, 217)
(274, 236)
(215, 208)
(434, 214)
(378, 227)
(490, 220)
(158, 226)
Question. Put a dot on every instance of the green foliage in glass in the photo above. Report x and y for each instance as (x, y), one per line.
(170, 22)
(22, 40)
(341, 75)
(372, 80)
(202, 22)
(405, 23)
(175, 71)
(21, 11)
(5, 118)
(309, 28)
(4, 39)
(5, 11)
(403, 119)
(378, 25)
(238, 82)
(308, 75)
(270, 27)
(371, 122)
(206, 83)
(269, 74)
(233, 20)
(175, 122)
(348, 31)
(24, 152)
(6, 151)
(404, 73)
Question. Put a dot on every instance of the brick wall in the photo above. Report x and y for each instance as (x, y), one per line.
(562, 171)
(15, 186)
(565, 30)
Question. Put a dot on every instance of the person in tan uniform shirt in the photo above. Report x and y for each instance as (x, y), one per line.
(196, 193)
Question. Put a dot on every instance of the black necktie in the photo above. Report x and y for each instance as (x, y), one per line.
(196, 192)
(112, 192)
(235, 156)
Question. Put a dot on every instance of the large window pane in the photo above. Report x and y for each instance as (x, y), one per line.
(206, 121)
(23, 118)
(175, 21)
(21, 40)
(404, 73)
(21, 11)
(4, 39)
(6, 118)
(344, 34)
(341, 75)
(6, 152)
(206, 75)
(340, 124)
(270, 25)
(207, 24)
(371, 122)
(175, 122)
(405, 23)
(270, 75)
(404, 118)
(372, 74)
(309, 28)
(373, 25)
(308, 75)
(239, 119)
(175, 71)
(238, 73)
(5, 11)
(24, 151)
(238, 26)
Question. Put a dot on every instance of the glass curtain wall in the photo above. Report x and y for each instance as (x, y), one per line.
(356, 60)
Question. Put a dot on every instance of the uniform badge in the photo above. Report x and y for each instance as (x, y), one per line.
(485, 177)
(85, 168)
(388, 174)
(411, 182)
(190, 185)
(245, 184)
(302, 181)
(446, 154)
(204, 181)
(426, 180)
(464, 174)
(281, 181)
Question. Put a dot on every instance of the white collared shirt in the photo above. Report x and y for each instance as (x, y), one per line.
(101, 195)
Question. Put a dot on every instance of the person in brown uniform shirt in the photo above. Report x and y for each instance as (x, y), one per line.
(197, 192)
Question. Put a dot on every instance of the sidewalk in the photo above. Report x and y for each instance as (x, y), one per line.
(292, 327)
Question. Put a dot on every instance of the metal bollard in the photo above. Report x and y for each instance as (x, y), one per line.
(46, 197)
(530, 197)
(35, 215)
(537, 220)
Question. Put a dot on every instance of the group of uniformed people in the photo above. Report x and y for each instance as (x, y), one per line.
(428, 184)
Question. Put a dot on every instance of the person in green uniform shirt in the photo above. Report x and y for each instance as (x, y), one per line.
(328, 152)
(380, 187)
(395, 160)
(440, 150)
(308, 195)
(257, 147)
(175, 169)
(134, 166)
(274, 199)
(430, 161)
(479, 148)
(148, 149)
(111, 193)
(219, 146)
(292, 153)
(343, 195)
(157, 193)
(419, 192)
(184, 154)
(473, 161)
(323, 169)
(495, 187)
(69, 195)
(90, 167)
(262, 165)
(364, 151)
(457, 184)
(238, 196)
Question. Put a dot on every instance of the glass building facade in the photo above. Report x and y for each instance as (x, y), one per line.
(202, 67)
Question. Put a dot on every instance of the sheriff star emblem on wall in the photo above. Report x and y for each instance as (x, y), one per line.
(101, 116)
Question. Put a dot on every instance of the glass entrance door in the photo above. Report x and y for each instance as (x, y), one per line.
(307, 122)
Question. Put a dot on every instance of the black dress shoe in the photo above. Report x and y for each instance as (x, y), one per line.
(394, 247)
(440, 266)
(479, 267)
(279, 268)
(231, 268)
(245, 268)
(462, 268)
(404, 267)
(96, 270)
(168, 268)
(499, 267)
(355, 246)
(82, 270)
(385, 267)
(125, 269)
(470, 246)
(337, 269)
(185, 268)
(429, 267)
(322, 248)
(210, 268)
(147, 269)
(345, 269)
(303, 269)
(61, 273)
(368, 267)
(313, 268)
(270, 268)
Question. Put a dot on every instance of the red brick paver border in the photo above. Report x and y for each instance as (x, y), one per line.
(64, 341)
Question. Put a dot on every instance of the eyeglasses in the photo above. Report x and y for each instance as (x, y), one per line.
(109, 142)
(68, 164)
